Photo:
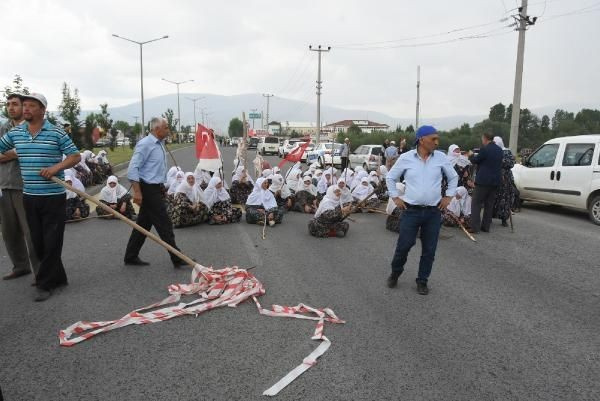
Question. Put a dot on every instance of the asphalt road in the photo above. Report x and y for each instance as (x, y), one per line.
(515, 316)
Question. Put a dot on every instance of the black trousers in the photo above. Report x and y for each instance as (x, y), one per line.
(153, 212)
(344, 162)
(46, 217)
(483, 195)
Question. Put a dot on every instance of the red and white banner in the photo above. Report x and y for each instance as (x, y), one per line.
(295, 155)
(207, 151)
(229, 286)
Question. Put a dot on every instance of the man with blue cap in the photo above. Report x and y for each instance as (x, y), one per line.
(422, 170)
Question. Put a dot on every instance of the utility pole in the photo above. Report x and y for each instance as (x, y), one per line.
(268, 96)
(418, 96)
(523, 21)
(178, 109)
(140, 44)
(320, 50)
(195, 100)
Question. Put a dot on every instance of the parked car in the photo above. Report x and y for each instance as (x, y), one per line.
(287, 146)
(305, 153)
(102, 142)
(268, 144)
(325, 154)
(253, 142)
(367, 156)
(563, 171)
(123, 142)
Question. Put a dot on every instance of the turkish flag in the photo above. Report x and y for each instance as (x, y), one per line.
(295, 155)
(207, 151)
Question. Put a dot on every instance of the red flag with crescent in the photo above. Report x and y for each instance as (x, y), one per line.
(207, 151)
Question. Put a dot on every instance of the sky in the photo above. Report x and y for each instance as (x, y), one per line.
(239, 47)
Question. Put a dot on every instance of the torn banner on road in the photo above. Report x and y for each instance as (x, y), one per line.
(229, 286)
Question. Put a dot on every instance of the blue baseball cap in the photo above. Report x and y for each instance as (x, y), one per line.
(424, 130)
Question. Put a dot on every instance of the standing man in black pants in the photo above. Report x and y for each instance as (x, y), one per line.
(40, 147)
(344, 153)
(148, 173)
(422, 202)
(487, 180)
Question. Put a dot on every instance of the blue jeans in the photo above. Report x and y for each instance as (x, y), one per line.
(429, 221)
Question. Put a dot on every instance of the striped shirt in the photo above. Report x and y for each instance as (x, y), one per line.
(37, 152)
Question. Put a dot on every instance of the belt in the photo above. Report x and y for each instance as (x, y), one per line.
(149, 184)
(409, 206)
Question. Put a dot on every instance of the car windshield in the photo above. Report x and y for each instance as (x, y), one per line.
(376, 151)
(253, 140)
(271, 140)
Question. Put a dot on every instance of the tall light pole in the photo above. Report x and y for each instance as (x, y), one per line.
(418, 96)
(178, 110)
(268, 96)
(141, 67)
(319, 87)
(195, 100)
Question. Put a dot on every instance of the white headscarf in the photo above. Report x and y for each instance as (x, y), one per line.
(267, 172)
(373, 177)
(330, 201)
(87, 155)
(456, 158)
(276, 170)
(202, 176)
(261, 197)
(383, 171)
(462, 205)
(112, 195)
(498, 141)
(239, 172)
(171, 175)
(193, 192)
(346, 194)
(101, 157)
(361, 191)
(391, 205)
(348, 175)
(70, 194)
(278, 185)
(293, 175)
(310, 188)
(178, 179)
(324, 183)
(213, 195)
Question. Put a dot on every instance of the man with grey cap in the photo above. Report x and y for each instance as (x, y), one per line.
(40, 147)
(15, 231)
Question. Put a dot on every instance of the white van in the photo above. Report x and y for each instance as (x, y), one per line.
(268, 144)
(563, 171)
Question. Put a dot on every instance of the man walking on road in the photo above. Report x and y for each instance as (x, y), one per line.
(487, 180)
(40, 147)
(345, 153)
(422, 202)
(15, 231)
(391, 154)
(148, 173)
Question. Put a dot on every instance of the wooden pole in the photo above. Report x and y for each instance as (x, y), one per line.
(135, 226)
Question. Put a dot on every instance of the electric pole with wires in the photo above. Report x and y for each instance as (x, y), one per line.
(320, 50)
(523, 21)
(268, 96)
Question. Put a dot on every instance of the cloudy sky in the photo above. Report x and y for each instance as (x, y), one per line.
(237, 47)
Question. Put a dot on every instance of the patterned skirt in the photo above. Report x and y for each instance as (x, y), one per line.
(75, 204)
(450, 220)
(223, 213)
(321, 229)
(392, 222)
(304, 202)
(129, 210)
(256, 216)
(239, 192)
(183, 213)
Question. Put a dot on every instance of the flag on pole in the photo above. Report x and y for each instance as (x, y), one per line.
(207, 151)
(295, 155)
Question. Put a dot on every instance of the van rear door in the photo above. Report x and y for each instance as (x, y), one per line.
(574, 174)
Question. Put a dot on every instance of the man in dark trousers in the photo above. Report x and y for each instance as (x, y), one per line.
(148, 173)
(40, 147)
(15, 231)
(345, 153)
(423, 169)
(487, 180)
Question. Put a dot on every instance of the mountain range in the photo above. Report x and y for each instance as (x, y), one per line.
(219, 110)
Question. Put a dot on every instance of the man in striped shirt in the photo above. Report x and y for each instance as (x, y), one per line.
(40, 147)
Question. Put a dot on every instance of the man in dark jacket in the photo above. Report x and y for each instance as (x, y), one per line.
(487, 180)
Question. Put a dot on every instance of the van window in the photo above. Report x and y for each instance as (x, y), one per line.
(270, 139)
(376, 151)
(578, 154)
(544, 156)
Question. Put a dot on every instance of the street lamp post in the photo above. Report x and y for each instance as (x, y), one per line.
(195, 100)
(178, 111)
(140, 44)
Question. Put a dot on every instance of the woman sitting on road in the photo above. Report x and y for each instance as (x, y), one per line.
(102, 160)
(282, 193)
(362, 191)
(188, 207)
(241, 186)
(305, 199)
(329, 217)
(116, 197)
(217, 199)
(77, 208)
(346, 196)
(459, 210)
(392, 222)
(175, 183)
(261, 203)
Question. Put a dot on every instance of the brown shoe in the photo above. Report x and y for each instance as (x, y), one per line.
(13, 275)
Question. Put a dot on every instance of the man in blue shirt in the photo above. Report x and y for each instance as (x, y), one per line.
(148, 173)
(40, 146)
(487, 180)
(422, 202)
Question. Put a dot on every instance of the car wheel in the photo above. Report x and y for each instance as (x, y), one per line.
(594, 210)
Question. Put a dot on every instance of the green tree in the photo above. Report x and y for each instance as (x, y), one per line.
(498, 112)
(91, 122)
(589, 121)
(354, 130)
(52, 119)
(137, 129)
(410, 129)
(106, 123)
(171, 121)
(236, 128)
(69, 109)
(16, 86)
(122, 126)
(545, 124)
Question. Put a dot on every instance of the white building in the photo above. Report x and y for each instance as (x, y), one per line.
(365, 126)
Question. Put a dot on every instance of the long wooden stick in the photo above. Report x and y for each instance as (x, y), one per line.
(512, 227)
(135, 226)
(462, 227)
